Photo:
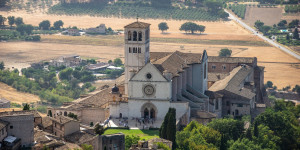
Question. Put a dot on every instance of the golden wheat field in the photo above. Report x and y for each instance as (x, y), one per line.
(21, 54)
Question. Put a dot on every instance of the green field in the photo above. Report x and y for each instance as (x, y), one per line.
(144, 134)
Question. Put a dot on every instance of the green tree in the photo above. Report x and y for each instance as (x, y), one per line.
(293, 23)
(25, 28)
(1, 65)
(19, 21)
(65, 74)
(243, 144)
(11, 20)
(163, 146)
(3, 3)
(171, 127)
(230, 128)
(284, 124)
(296, 34)
(269, 84)
(225, 52)
(192, 27)
(99, 129)
(258, 24)
(58, 24)
(26, 107)
(213, 5)
(130, 140)
(163, 26)
(282, 23)
(2, 20)
(118, 62)
(287, 37)
(45, 25)
(266, 138)
(86, 147)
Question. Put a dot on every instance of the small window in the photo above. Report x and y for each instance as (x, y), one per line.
(134, 36)
(129, 36)
(130, 50)
(140, 36)
(228, 112)
(223, 67)
(217, 105)
(139, 50)
(11, 127)
(213, 66)
(134, 50)
(239, 105)
(148, 75)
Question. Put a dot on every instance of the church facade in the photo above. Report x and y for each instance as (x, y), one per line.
(156, 81)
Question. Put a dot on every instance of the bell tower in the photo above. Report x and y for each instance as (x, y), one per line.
(136, 48)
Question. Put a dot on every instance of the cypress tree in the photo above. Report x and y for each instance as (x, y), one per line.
(171, 127)
(296, 34)
(26, 107)
(223, 145)
(163, 128)
(255, 132)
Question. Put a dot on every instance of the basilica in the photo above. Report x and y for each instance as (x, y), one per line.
(198, 86)
(156, 81)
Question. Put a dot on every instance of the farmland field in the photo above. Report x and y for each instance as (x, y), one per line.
(269, 16)
(15, 96)
(11, 52)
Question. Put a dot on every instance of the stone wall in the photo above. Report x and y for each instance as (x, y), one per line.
(93, 115)
(21, 126)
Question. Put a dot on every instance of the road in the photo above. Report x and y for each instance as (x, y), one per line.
(231, 16)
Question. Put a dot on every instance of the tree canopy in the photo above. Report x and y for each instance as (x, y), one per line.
(118, 62)
(11, 20)
(225, 52)
(163, 26)
(45, 25)
(192, 27)
(25, 28)
(19, 21)
(168, 127)
(58, 24)
(2, 20)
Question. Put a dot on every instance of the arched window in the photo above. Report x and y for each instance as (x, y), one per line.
(139, 50)
(129, 36)
(152, 113)
(146, 113)
(140, 36)
(134, 36)
(205, 71)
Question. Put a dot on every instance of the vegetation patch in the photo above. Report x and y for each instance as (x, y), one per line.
(143, 134)
(131, 10)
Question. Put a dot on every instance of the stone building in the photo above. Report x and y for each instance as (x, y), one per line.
(112, 141)
(220, 67)
(68, 61)
(93, 108)
(101, 29)
(3, 129)
(237, 91)
(151, 144)
(156, 81)
(63, 126)
(18, 121)
(4, 103)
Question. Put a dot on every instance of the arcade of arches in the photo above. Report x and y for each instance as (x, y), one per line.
(148, 110)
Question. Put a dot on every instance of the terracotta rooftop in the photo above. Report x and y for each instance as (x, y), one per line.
(232, 82)
(46, 121)
(239, 60)
(79, 137)
(138, 24)
(15, 113)
(62, 119)
(174, 62)
(213, 77)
